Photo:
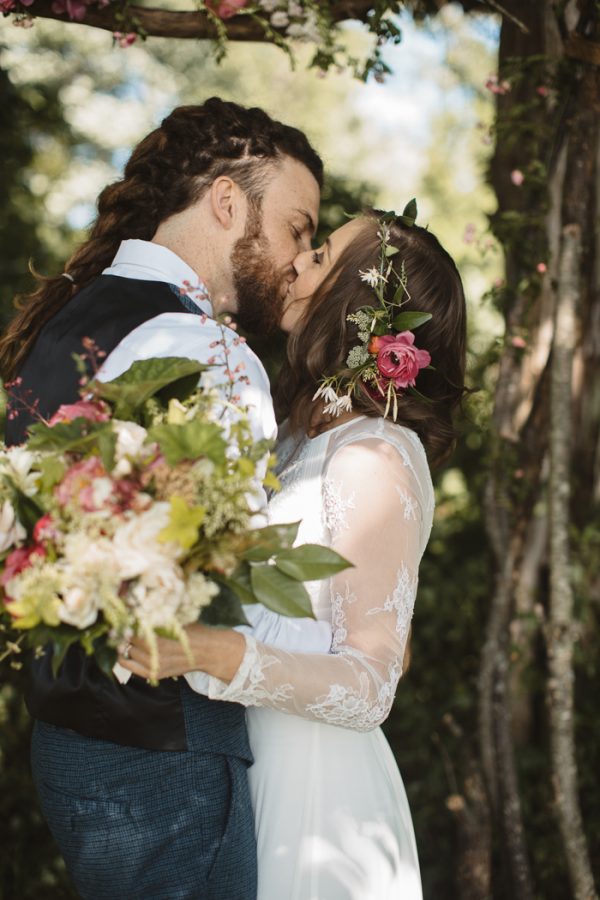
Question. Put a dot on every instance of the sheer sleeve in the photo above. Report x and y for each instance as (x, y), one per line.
(372, 508)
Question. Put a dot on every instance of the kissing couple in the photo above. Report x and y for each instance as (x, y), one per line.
(261, 771)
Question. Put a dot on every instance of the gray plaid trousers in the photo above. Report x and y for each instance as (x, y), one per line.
(136, 824)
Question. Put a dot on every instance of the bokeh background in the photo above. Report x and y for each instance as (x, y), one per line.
(72, 105)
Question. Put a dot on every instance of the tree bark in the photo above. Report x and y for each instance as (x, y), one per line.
(578, 217)
(189, 23)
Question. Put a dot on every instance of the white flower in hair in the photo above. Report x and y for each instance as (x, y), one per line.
(338, 406)
(371, 276)
(326, 393)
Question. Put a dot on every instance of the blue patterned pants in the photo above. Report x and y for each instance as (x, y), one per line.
(138, 824)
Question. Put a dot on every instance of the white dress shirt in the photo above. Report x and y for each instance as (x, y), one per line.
(182, 334)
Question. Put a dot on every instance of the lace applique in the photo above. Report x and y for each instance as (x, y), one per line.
(403, 602)
(355, 708)
(409, 504)
(335, 507)
(252, 679)
(338, 617)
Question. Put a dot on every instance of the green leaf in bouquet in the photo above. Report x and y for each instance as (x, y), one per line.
(61, 640)
(225, 609)
(239, 583)
(107, 445)
(278, 592)
(270, 540)
(310, 562)
(52, 469)
(80, 435)
(27, 510)
(190, 441)
(105, 657)
(184, 523)
(407, 321)
(170, 376)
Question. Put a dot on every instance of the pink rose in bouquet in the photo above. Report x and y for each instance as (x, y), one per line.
(83, 409)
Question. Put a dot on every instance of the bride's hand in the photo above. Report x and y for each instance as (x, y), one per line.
(217, 651)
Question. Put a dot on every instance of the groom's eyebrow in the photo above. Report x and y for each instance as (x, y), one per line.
(310, 223)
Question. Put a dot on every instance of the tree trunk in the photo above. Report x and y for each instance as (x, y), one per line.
(554, 146)
(579, 176)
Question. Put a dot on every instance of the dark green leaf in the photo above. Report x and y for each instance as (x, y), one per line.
(269, 540)
(407, 321)
(144, 379)
(409, 213)
(280, 593)
(77, 436)
(107, 443)
(310, 562)
(225, 609)
(27, 510)
(180, 389)
(190, 441)
(239, 582)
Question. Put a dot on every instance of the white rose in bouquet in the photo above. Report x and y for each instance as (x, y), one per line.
(11, 530)
(130, 440)
(137, 548)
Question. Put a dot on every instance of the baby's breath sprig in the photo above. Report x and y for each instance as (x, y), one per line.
(385, 361)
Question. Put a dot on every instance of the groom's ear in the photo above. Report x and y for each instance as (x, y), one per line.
(225, 200)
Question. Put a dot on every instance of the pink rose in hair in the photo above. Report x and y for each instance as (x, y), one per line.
(83, 409)
(226, 9)
(398, 359)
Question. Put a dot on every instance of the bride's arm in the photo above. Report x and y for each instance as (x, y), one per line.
(378, 521)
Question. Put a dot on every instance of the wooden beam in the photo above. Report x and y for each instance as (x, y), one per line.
(583, 49)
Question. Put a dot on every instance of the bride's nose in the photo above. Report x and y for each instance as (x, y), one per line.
(301, 261)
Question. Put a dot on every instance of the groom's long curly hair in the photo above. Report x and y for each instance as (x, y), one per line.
(168, 171)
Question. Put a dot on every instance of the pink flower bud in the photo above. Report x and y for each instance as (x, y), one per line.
(517, 177)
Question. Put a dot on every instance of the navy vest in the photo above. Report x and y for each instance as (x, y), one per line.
(170, 716)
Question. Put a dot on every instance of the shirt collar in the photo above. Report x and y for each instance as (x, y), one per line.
(148, 261)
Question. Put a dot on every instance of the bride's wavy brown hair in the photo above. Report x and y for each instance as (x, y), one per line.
(168, 171)
(320, 343)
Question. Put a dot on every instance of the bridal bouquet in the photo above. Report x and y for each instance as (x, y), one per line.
(130, 512)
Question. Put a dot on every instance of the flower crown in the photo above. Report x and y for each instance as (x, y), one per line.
(386, 360)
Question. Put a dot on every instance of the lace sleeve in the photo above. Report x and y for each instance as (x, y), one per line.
(372, 508)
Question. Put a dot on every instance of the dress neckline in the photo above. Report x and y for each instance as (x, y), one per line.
(336, 428)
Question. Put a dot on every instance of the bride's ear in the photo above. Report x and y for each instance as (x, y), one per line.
(227, 202)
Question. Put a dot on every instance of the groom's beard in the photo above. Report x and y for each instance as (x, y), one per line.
(257, 281)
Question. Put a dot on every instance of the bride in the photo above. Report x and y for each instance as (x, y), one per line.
(332, 818)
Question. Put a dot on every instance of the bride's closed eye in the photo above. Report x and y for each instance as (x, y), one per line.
(317, 258)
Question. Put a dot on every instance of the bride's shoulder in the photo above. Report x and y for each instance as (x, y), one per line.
(382, 433)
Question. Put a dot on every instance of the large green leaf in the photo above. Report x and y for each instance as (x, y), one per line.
(190, 441)
(270, 540)
(310, 562)
(278, 592)
(225, 609)
(77, 436)
(148, 377)
(407, 321)
(239, 583)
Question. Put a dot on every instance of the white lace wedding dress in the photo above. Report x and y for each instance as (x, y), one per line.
(332, 818)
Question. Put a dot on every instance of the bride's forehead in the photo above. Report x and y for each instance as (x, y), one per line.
(341, 237)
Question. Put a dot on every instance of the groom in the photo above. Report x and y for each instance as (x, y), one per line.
(144, 788)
